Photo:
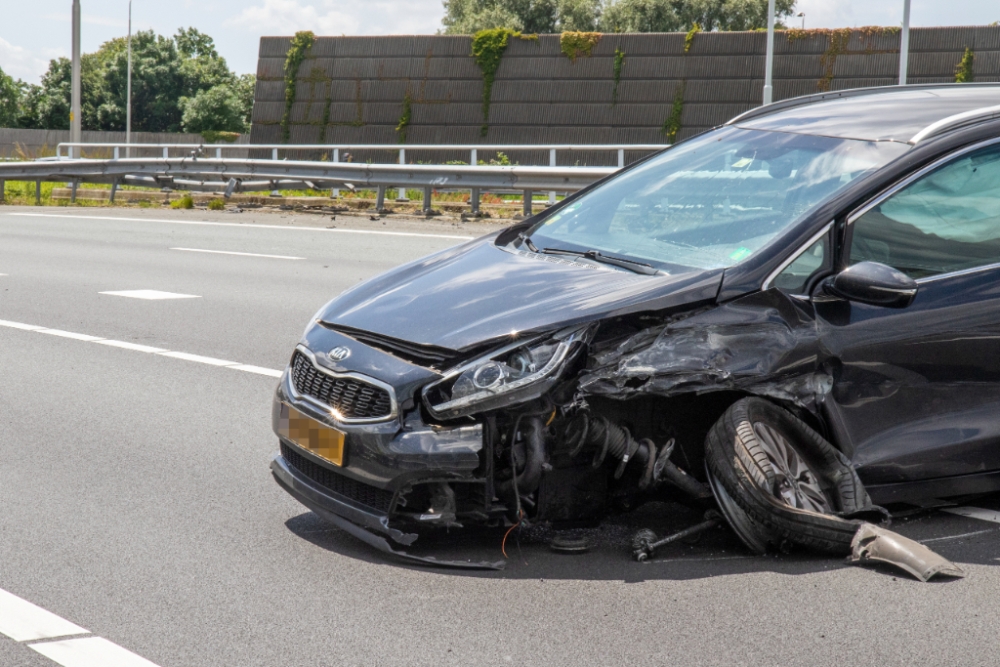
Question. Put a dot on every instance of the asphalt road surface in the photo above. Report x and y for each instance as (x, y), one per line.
(139, 524)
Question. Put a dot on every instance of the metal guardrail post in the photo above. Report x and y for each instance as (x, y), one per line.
(218, 153)
(380, 200)
(166, 152)
(114, 189)
(526, 208)
(335, 192)
(38, 193)
(3, 186)
(474, 201)
(474, 159)
(274, 153)
(552, 163)
(621, 158)
(116, 153)
(72, 192)
(401, 193)
(428, 191)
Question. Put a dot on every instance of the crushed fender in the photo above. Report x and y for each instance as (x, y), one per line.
(874, 544)
(763, 344)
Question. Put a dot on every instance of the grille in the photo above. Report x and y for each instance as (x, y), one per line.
(350, 397)
(345, 486)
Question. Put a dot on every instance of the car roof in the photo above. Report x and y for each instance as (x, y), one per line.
(890, 113)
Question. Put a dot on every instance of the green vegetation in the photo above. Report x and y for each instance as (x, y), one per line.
(619, 63)
(213, 137)
(168, 75)
(404, 120)
(301, 43)
(689, 37)
(576, 44)
(963, 71)
(672, 125)
(214, 205)
(465, 17)
(183, 202)
(487, 48)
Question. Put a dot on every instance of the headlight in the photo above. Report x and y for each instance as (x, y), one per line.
(515, 373)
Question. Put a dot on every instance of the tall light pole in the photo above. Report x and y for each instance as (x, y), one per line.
(74, 111)
(904, 43)
(128, 93)
(769, 60)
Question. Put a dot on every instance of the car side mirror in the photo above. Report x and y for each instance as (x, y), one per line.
(875, 284)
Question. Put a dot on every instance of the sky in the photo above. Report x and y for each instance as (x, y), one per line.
(32, 33)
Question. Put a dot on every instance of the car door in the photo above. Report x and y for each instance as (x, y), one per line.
(916, 390)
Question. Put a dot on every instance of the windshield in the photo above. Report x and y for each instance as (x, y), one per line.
(710, 202)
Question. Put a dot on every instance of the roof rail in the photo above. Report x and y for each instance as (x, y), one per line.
(838, 94)
(954, 122)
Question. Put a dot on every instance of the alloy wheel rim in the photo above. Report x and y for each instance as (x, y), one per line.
(795, 484)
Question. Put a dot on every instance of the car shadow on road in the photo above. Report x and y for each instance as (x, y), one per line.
(715, 553)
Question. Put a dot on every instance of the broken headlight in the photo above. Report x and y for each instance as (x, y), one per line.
(513, 374)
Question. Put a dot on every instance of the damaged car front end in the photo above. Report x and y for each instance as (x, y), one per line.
(696, 328)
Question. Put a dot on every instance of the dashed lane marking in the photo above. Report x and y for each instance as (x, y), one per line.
(135, 347)
(150, 294)
(90, 652)
(241, 254)
(975, 513)
(237, 224)
(23, 621)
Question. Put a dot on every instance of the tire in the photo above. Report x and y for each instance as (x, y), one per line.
(786, 478)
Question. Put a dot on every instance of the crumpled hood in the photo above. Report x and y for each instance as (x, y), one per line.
(477, 292)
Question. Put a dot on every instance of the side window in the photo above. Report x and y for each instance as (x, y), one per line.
(946, 221)
(795, 277)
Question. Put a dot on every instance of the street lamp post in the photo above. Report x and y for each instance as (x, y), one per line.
(74, 111)
(128, 92)
(802, 15)
(769, 60)
(904, 43)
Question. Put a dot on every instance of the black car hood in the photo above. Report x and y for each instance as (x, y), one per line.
(477, 292)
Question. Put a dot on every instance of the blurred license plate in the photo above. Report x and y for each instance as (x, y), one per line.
(307, 433)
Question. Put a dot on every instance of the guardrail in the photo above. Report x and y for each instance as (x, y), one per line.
(248, 175)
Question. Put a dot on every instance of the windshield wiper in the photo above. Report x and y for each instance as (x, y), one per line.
(526, 240)
(594, 255)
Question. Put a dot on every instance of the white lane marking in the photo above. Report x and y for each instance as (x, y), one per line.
(958, 537)
(90, 652)
(22, 621)
(270, 372)
(151, 294)
(975, 513)
(19, 325)
(237, 224)
(132, 346)
(70, 334)
(241, 254)
(197, 358)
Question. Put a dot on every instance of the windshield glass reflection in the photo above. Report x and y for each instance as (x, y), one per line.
(711, 202)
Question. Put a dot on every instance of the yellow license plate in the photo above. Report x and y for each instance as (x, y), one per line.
(307, 433)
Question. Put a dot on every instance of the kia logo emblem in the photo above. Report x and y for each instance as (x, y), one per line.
(339, 353)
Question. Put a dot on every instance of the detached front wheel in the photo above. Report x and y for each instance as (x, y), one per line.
(777, 480)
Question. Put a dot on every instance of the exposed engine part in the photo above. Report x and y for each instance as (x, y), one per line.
(664, 471)
(514, 490)
(644, 542)
(570, 543)
(587, 430)
(872, 543)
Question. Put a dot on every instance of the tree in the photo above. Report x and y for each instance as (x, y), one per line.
(547, 16)
(465, 17)
(681, 15)
(219, 109)
(164, 71)
(10, 100)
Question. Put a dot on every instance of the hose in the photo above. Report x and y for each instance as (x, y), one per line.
(531, 477)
